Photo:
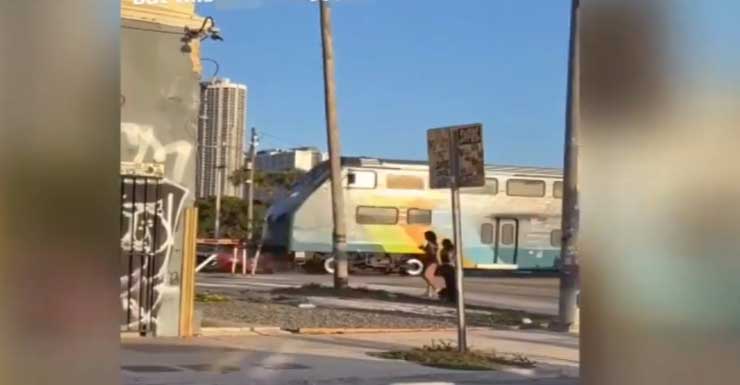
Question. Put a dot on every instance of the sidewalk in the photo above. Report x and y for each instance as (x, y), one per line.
(338, 359)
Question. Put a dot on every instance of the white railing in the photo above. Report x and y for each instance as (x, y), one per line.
(206, 262)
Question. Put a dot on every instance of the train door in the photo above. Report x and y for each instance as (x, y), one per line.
(488, 240)
(507, 235)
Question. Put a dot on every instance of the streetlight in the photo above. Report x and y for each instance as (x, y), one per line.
(203, 33)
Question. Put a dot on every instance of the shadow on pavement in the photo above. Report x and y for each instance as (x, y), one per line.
(262, 361)
(562, 344)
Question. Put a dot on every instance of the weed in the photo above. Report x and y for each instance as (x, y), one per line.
(444, 354)
(207, 297)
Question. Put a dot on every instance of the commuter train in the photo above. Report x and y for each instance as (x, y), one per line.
(513, 222)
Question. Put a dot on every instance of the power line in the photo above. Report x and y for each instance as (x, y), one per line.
(271, 143)
(283, 140)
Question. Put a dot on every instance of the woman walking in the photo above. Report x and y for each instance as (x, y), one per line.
(431, 262)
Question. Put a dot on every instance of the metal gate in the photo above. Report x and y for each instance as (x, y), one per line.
(140, 245)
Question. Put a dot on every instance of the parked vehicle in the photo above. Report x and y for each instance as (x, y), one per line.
(224, 259)
(513, 222)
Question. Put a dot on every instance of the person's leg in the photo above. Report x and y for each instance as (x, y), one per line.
(429, 274)
(449, 277)
(425, 277)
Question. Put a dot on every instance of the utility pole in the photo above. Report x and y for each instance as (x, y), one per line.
(250, 187)
(569, 274)
(217, 147)
(219, 179)
(339, 247)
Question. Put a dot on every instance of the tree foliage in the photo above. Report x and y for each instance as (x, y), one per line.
(233, 218)
(267, 180)
(234, 210)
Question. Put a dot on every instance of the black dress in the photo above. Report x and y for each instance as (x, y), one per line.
(447, 271)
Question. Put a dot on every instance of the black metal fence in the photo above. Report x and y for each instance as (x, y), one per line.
(141, 251)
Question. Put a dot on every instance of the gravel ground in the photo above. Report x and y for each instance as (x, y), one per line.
(256, 308)
(292, 317)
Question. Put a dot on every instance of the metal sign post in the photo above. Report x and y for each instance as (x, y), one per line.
(456, 160)
(462, 332)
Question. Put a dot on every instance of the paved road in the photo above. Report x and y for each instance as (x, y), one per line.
(533, 294)
(289, 359)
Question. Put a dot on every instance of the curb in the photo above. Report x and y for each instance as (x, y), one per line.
(225, 331)
(269, 331)
(242, 331)
(326, 331)
(130, 335)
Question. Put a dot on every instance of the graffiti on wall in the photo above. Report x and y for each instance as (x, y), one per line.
(151, 210)
(143, 139)
(150, 215)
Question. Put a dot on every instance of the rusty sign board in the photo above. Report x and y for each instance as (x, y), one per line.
(456, 154)
(440, 167)
(468, 144)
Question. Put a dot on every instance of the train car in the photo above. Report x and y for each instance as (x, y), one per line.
(513, 222)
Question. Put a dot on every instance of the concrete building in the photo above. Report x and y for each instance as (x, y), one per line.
(221, 137)
(301, 158)
(159, 114)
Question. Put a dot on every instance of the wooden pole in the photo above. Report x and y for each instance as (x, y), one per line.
(187, 281)
(341, 276)
(244, 261)
(256, 260)
(234, 259)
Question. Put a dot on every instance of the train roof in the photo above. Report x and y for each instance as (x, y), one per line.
(422, 164)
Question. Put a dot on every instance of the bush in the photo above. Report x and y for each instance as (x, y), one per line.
(444, 354)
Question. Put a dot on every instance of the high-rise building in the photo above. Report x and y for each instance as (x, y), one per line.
(301, 158)
(221, 137)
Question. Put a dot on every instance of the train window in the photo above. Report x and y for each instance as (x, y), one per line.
(507, 234)
(556, 238)
(525, 188)
(491, 188)
(486, 234)
(419, 217)
(367, 215)
(404, 182)
(361, 179)
(557, 189)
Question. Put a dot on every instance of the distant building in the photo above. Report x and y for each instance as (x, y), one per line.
(221, 136)
(301, 158)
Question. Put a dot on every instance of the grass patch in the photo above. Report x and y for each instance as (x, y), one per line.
(207, 297)
(444, 355)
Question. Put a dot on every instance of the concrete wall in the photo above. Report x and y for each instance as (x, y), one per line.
(159, 115)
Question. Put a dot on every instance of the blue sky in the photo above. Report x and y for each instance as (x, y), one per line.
(403, 66)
